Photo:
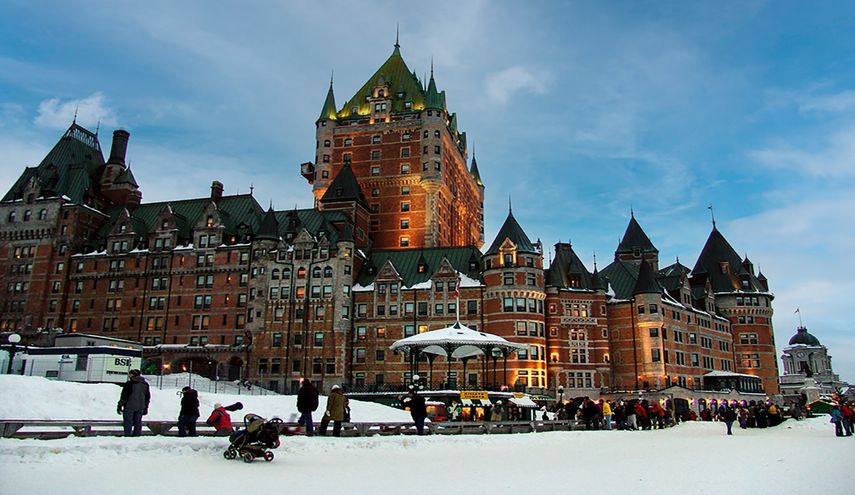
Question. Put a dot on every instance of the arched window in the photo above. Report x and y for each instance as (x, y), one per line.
(316, 272)
(286, 273)
(12, 217)
(381, 94)
(28, 214)
(301, 273)
(327, 272)
(274, 274)
(210, 221)
(43, 214)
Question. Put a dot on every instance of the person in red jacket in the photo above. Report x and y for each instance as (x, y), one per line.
(221, 420)
(846, 413)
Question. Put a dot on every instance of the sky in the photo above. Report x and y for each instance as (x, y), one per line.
(753, 460)
(579, 112)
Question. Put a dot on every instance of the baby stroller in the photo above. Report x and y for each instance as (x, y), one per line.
(255, 439)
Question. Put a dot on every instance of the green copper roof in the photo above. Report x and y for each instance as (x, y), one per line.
(69, 169)
(476, 175)
(622, 276)
(399, 78)
(406, 262)
(329, 111)
(126, 177)
(269, 228)
(344, 187)
(567, 271)
(433, 98)
(314, 221)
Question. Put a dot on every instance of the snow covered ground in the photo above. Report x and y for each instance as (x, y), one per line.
(697, 458)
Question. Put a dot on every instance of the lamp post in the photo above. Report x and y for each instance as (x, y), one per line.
(14, 339)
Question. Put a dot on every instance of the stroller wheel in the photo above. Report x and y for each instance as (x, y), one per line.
(247, 457)
(230, 454)
(268, 456)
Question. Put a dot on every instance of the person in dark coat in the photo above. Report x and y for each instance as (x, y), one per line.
(418, 410)
(729, 417)
(307, 403)
(189, 412)
(133, 403)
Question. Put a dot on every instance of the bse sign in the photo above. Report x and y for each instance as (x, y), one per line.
(120, 365)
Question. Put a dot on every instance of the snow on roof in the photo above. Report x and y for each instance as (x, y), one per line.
(462, 340)
(363, 288)
(729, 373)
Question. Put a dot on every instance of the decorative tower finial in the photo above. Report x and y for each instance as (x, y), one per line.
(332, 73)
(271, 203)
(431, 66)
(712, 215)
(631, 211)
(76, 108)
(595, 260)
(251, 188)
(97, 127)
(397, 35)
(510, 209)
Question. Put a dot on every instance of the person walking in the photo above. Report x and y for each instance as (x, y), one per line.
(631, 416)
(837, 419)
(846, 417)
(336, 405)
(729, 417)
(496, 414)
(307, 403)
(607, 414)
(418, 411)
(133, 403)
(189, 412)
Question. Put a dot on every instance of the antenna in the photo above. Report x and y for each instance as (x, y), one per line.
(251, 188)
(712, 215)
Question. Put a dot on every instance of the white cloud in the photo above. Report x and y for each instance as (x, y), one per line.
(502, 85)
(58, 114)
(833, 158)
(837, 103)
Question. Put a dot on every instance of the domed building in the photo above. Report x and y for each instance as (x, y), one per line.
(807, 367)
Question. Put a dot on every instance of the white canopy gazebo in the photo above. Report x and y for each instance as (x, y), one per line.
(457, 341)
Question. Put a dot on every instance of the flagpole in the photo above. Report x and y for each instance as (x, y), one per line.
(457, 297)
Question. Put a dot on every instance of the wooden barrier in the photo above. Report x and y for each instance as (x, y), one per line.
(51, 429)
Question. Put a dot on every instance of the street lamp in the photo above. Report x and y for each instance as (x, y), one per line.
(13, 339)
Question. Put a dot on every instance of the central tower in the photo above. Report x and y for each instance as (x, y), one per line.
(409, 158)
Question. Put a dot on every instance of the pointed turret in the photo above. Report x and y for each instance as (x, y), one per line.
(724, 267)
(597, 282)
(567, 271)
(433, 98)
(404, 94)
(646, 282)
(473, 171)
(329, 112)
(345, 187)
(269, 227)
(126, 177)
(512, 231)
(636, 246)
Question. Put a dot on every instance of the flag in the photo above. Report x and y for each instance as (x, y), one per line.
(797, 311)
(457, 287)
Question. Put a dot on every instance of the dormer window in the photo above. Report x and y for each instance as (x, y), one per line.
(122, 228)
(725, 267)
(164, 224)
(355, 110)
(381, 93)
(400, 94)
(408, 105)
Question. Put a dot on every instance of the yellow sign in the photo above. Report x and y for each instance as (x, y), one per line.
(474, 395)
(518, 395)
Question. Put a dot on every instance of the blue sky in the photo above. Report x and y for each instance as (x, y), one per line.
(578, 111)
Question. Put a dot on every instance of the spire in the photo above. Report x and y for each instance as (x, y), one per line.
(512, 231)
(433, 98)
(634, 239)
(510, 208)
(269, 227)
(328, 112)
(397, 35)
(473, 170)
(646, 282)
(712, 215)
(344, 187)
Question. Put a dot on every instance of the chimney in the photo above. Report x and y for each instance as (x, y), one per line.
(119, 147)
(216, 191)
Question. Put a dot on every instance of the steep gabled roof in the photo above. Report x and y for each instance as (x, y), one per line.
(511, 230)
(622, 276)
(400, 79)
(314, 221)
(69, 169)
(567, 271)
(344, 187)
(406, 262)
(126, 177)
(669, 277)
(635, 238)
(720, 262)
(269, 228)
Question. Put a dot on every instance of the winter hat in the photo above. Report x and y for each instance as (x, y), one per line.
(336, 387)
(217, 405)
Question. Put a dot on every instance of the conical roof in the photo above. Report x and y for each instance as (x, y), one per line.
(126, 177)
(635, 238)
(802, 337)
(716, 252)
(511, 230)
(473, 171)
(400, 80)
(329, 112)
(433, 98)
(646, 282)
(597, 282)
(269, 227)
(344, 187)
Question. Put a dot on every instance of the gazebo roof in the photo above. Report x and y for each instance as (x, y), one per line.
(458, 339)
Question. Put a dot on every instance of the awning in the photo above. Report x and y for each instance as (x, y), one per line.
(475, 402)
(524, 402)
